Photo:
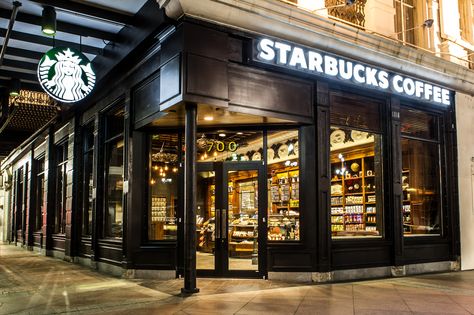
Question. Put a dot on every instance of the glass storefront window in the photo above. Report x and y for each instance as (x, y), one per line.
(356, 168)
(114, 168)
(421, 176)
(233, 146)
(88, 181)
(283, 186)
(163, 187)
(61, 185)
(40, 190)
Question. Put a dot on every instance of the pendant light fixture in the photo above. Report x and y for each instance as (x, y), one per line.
(48, 20)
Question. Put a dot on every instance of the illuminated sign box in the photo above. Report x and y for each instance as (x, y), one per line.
(66, 74)
(318, 63)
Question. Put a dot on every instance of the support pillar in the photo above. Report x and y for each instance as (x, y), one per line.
(190, 201)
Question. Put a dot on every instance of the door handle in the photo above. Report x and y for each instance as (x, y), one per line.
(217, 228)
(224, 223)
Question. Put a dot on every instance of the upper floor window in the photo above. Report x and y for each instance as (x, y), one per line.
(405, 20)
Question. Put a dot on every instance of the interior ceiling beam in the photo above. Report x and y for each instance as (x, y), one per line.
(18, 75)
(24, 85)
(20, 64)
(61, 26)
(88, 10)
(48, 41)
(18, 52)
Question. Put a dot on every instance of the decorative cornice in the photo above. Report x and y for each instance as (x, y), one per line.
(284, 21)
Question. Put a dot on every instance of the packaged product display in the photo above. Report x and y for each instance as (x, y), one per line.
(355, 198)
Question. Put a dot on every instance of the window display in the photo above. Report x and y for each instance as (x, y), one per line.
(163, 187)
(356, 169)
(421, 177)
(283, 186)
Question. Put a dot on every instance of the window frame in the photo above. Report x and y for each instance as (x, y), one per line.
(39, 207)
(106, 145)
(440, 142)
(87, 157)
(61, 149)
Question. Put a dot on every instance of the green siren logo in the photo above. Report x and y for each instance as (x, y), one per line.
(66, 74)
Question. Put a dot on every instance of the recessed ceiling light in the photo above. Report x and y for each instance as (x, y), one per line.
(222, 135)
(208, 118)
(240, 133)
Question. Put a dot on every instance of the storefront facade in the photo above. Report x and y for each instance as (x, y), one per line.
(299, 171)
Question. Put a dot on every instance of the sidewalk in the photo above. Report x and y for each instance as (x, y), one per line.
(33, 284)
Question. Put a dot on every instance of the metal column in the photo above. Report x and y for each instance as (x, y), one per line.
(190, 201)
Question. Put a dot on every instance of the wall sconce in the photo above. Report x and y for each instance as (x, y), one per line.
(15, 86)
(427, 23)
(48, 21)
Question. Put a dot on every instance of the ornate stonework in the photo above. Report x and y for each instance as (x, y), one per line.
(353, 14)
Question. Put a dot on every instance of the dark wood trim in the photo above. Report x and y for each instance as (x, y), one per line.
(323, 177)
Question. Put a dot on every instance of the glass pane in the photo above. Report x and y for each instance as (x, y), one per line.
(115, 123)
(356, 183)
(418, 124)
(242, 200)
(205, 220)
(163, 187)
(114, 189)
(87, 197)
(40, 189)
(230, 146)
(283, 186)
(421, 187)
(409, 24)
(354, 111)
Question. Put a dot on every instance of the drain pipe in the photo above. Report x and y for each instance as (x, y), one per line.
(16, 6)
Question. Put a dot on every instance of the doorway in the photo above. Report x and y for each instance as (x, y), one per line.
(230, 224)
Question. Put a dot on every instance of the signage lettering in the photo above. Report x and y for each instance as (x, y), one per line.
(66, 74)
(303, 59)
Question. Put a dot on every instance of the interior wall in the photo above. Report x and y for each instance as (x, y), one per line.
(465, 132)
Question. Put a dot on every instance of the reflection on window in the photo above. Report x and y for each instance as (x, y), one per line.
(40, 191)
(230, 146)
(404, 20)
(61, 185)
(114, 151)
(88, 182)
(421, 177)
(163, 187)
(283, 185)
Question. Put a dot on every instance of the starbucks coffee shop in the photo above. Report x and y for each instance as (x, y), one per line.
(248, 156)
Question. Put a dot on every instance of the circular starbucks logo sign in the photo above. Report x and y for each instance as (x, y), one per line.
(66, 74)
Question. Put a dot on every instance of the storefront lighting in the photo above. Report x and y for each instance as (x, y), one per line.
(175, 169)
(222, 135)
(166, 167)
(152, 182)
(240, 133)
(15, 86)
(215, 153)
(48, 21)
(155, 167)
(203, 157)
(287, 163)
(208, 118)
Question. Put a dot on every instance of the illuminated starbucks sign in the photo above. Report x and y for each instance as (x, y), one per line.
(66, 74)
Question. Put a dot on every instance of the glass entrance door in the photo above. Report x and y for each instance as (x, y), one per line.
(230, 220)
